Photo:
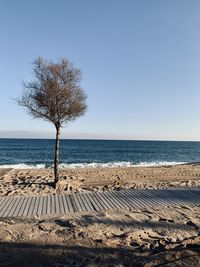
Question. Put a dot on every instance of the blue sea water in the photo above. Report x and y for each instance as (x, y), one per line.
(39, 153)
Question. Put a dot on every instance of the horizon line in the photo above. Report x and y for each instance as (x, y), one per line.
(101, 139)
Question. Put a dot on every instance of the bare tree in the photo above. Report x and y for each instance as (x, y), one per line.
(54, 95)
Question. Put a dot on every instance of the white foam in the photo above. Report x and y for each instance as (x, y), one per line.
(23, 166)
(95, 165)
(159, 163)
(120, 164)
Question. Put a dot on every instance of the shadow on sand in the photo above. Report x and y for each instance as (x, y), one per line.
(32, 255)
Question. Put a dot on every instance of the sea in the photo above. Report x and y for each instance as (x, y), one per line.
(39, 153)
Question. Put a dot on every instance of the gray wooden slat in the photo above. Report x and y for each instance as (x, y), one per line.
(167, 198)
(183, 196)
(31, 208)
(48, 205)
(73, 203)
(134, 202)
(65, 205)
(15, 211)
(162, 198)
(101, 205)
(2, 201)
(93, 203)
(106, 200)
(53, 206)
(61, 204)
(39, 211)
(131, 203)
(150, 198)
(3, 204)
(82, 202)
(69, 203)
(44, 207)
(140, 199)
(26, 210)
(21, 211)
(136, 199)
(9, 202)
(87, 202)
(116, 199)
(12, 207)
(117, 204)
(120, 196)
(35, 207)
(57, 204)
(78, 205)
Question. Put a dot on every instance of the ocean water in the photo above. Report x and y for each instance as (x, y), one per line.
(39, 153)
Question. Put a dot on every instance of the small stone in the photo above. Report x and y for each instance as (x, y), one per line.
(173, 240)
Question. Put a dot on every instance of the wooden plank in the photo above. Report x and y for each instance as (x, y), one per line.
(48, 205)
(69, 203)
(17, 208)
(158, 199)
(61, 204)
(57, 204)
(101, 204)
(93, 203)
(113, 200)
(21, 211)
(136, 195)
(39, 211)
(2, 201)
(106, 199)
(35, 207)
(9, 202)
(65, 205)
(31, 208)
(73, 203)
(185, 199)
(135, 199)
(129, 202)
(12, 207)
(147, 198)
(87, 202)
(120, 198)
(82, 204)
(44, 206)
(27, 207)
(79, 208)
(53, 206)
(116, 199)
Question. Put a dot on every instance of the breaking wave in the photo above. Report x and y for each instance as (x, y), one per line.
(94, 165)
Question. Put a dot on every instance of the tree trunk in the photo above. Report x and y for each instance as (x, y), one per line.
(56, 161)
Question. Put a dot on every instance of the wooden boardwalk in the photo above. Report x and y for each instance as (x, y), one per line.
(58, 204)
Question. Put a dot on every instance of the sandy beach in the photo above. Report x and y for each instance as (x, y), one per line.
(167, 236)
(39, 181)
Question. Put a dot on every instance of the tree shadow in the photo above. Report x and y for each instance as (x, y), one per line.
(32, 255)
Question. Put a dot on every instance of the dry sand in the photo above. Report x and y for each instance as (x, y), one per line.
(39, 181)
(161, 236)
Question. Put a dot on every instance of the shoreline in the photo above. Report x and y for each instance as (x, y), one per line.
(94, 165)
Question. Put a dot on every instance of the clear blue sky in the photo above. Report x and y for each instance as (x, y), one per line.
(140, 62)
